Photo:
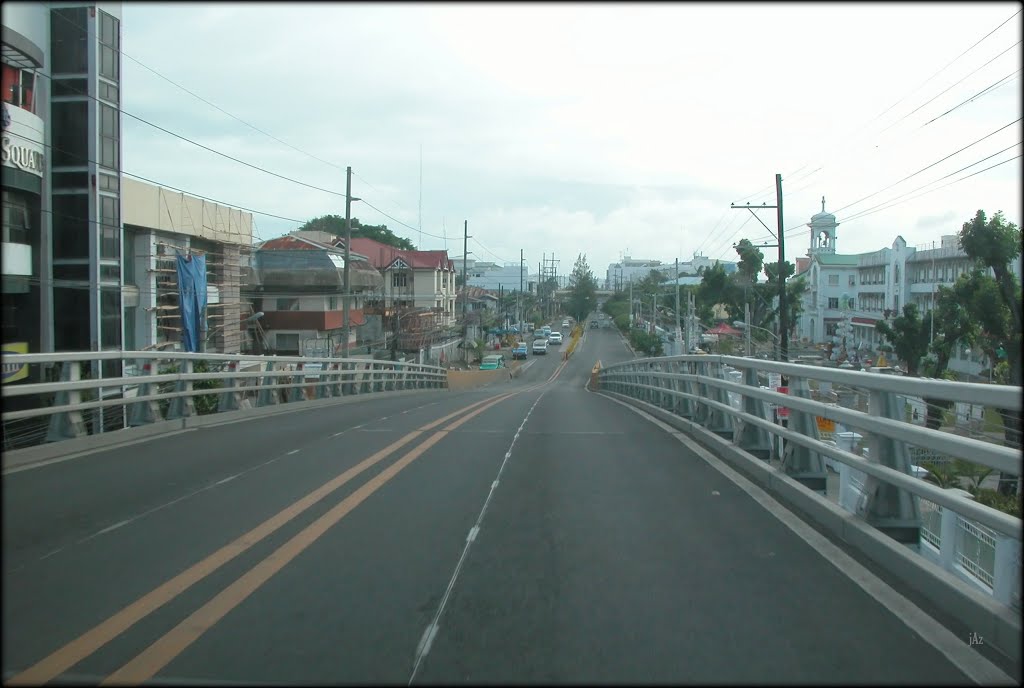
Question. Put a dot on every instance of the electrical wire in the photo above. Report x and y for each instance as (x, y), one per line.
(935, 181)
(983, 38)
(909, 176)
(167, 186)
(937, 189)
(989, 89)
(211, 104)
(949, 87)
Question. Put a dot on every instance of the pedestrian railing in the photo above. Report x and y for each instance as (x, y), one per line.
(731, 397)
(85, 393)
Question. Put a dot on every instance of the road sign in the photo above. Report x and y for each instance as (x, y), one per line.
(783, 411)
(826, 424)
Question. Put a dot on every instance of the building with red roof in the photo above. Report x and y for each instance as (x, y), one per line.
(423, 281)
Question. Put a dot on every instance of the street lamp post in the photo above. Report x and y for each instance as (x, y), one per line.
(747, 326)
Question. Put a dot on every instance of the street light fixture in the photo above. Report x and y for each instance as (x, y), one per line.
(739, 324)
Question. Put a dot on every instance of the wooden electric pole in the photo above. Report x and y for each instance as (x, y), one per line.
(780, 237)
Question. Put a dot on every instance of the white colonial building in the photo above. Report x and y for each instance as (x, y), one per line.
(848, 293)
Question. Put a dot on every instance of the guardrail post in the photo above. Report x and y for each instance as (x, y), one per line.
(297, 393)
(231, 398)
(323, 391)
(947, 537)
(366, 379)
(891, 509)
(336, 379)
(749, 437)
(349, 387)
(701, 411)
(145, 412)
(719, 421)
(378, 375)
(799, 462)
(1006, 571)
(67, 424)
(182, 406)
(267, 396)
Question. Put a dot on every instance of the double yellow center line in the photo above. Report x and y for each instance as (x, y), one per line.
(166, 648)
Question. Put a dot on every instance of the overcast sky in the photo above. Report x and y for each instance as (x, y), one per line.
(601, 129)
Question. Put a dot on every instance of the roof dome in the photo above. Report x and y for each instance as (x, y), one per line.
(823, 216)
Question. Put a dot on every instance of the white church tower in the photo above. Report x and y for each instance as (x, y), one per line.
(823, 232)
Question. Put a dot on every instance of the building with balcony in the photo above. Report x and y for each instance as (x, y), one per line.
(160, 224)
(858, 290)
(298, 285)
(413, 280)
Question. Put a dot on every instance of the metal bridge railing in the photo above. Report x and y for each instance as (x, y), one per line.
(74, 400)
(729, 396)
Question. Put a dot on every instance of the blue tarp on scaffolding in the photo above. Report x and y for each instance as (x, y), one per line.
(192, 296)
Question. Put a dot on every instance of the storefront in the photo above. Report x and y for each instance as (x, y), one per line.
(22, 156)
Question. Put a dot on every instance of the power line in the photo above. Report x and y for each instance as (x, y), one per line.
(931, 165)
(168, 186)
(204, 147)
(477, 241)
(935, 181)
(947, 66)
(980, 93)
(211, 104)
(255, 128)
(857, 216)
(978, 42)
(949, 87)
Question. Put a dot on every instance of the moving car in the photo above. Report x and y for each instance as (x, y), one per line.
(519, 351)
(594, 324)
(546, 330)
(492, 362)
(555, 338)
(565, 324)
(540, 346)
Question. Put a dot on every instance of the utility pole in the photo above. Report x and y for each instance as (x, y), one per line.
(746, 321)
(465, 260)
(465, 288)
(783, 313)
(519, 297)
(348, 241)
(631, 311)
(679, 331)
(779, 235)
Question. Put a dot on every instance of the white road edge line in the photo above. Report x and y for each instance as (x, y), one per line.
(86, 452)
(428, 636)
(293, 451)
(976, 667)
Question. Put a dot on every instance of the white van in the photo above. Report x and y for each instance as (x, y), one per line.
(540, 346)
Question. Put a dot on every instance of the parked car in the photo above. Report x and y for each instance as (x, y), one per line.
(555, 338)
(519, 351)
(492, 362)
(540, 346)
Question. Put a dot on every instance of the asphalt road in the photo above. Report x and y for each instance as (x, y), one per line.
(529, 531)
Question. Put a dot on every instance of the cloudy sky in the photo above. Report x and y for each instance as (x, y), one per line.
(601, 129)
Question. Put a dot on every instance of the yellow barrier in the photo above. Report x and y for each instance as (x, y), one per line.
(469, 379)
(593, 375)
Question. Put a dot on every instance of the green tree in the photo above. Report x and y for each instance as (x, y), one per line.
(335, 224)
(908, 334)
(751, 260)
(582, 290)
(995, 244)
